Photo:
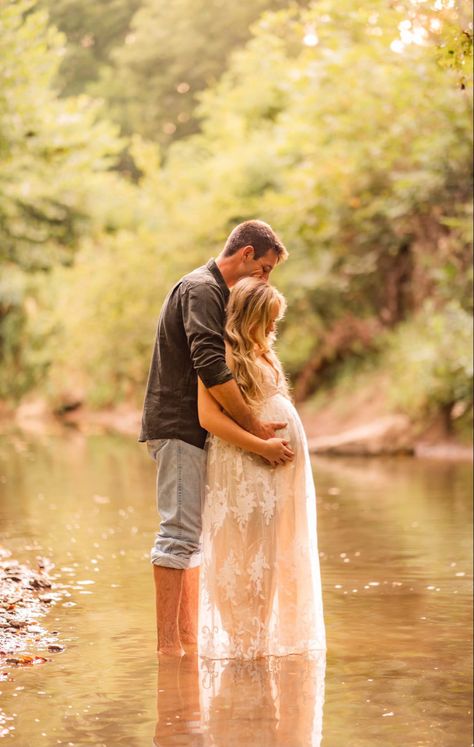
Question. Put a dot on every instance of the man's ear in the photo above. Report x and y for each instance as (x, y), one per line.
(248, 253)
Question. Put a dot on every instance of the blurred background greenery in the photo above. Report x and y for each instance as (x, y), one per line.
(135, 134)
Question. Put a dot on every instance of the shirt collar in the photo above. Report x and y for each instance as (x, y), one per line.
(213, 268)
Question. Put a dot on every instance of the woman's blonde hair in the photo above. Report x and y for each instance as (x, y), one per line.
(250, 309)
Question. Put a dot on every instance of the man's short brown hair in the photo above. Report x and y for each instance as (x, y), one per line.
(258, 234)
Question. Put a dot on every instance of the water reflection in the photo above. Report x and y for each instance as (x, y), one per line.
(269, 702)
(395, 540)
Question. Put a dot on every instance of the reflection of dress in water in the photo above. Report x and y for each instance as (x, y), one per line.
(268, 702)
(271, 702)
(260, 589)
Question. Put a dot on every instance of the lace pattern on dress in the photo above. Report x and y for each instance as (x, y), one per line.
(260, 577)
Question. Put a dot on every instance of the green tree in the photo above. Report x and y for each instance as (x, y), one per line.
(52, 152)
(93, 29)
(341, 126)
(173, 51)
(337, 125)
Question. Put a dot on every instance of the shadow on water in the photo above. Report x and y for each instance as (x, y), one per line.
(396, 561)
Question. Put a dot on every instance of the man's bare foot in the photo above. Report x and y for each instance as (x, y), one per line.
(190, 645)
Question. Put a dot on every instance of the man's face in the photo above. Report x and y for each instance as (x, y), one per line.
(258, 268)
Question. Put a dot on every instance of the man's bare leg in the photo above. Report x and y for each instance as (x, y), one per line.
(168, 591)
(188, 609)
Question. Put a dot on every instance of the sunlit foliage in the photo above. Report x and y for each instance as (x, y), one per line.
(340, 124)
(52, 152)
(149, 58)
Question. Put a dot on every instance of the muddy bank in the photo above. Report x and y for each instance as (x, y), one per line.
(26, 596)
(357, 423)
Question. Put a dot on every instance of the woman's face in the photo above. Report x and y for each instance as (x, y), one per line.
(271, 326)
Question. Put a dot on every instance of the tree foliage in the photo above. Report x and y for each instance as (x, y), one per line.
(149, 59)
(431, 360)
(52, 153)
(51, 148)
(93, 30)
(341, 125)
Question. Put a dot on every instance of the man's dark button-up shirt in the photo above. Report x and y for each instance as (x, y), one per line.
(189, 343)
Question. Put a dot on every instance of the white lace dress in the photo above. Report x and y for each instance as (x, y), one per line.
(260, 585)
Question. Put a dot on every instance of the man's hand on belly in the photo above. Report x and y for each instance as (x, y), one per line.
(230, 398)
(266, 429)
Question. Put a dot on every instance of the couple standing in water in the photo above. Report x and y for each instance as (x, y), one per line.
(235, 560)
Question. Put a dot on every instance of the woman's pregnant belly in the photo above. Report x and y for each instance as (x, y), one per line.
(279, 408)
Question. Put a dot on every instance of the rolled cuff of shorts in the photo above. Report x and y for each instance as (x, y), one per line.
(179, 562)
(212, 377)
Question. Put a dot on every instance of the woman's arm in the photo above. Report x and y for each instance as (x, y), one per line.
(214, 420)
(230, 399)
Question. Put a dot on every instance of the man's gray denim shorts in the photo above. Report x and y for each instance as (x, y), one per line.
(180, 480)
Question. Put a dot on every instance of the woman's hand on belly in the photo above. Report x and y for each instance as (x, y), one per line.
(277, 451)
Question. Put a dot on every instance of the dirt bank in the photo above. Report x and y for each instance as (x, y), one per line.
(357, 421)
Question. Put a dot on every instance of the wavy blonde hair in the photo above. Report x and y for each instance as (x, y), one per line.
(249, 313)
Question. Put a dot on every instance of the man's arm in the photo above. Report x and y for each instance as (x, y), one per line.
(211, 417)
(203, 314)
(204, 319)
(230, 398)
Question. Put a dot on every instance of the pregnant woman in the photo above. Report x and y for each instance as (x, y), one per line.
(260, 586)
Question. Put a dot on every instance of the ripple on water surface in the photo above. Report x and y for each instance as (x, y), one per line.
(395, 551)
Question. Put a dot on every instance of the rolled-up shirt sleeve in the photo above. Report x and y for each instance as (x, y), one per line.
(204, 318)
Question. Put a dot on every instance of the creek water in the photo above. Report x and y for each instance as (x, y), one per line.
(395, 550)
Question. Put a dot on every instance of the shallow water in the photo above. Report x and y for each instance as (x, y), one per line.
(395, 549)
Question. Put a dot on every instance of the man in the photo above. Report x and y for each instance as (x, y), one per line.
(190, 343)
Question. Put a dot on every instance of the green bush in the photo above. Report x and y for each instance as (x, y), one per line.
(430, 360)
